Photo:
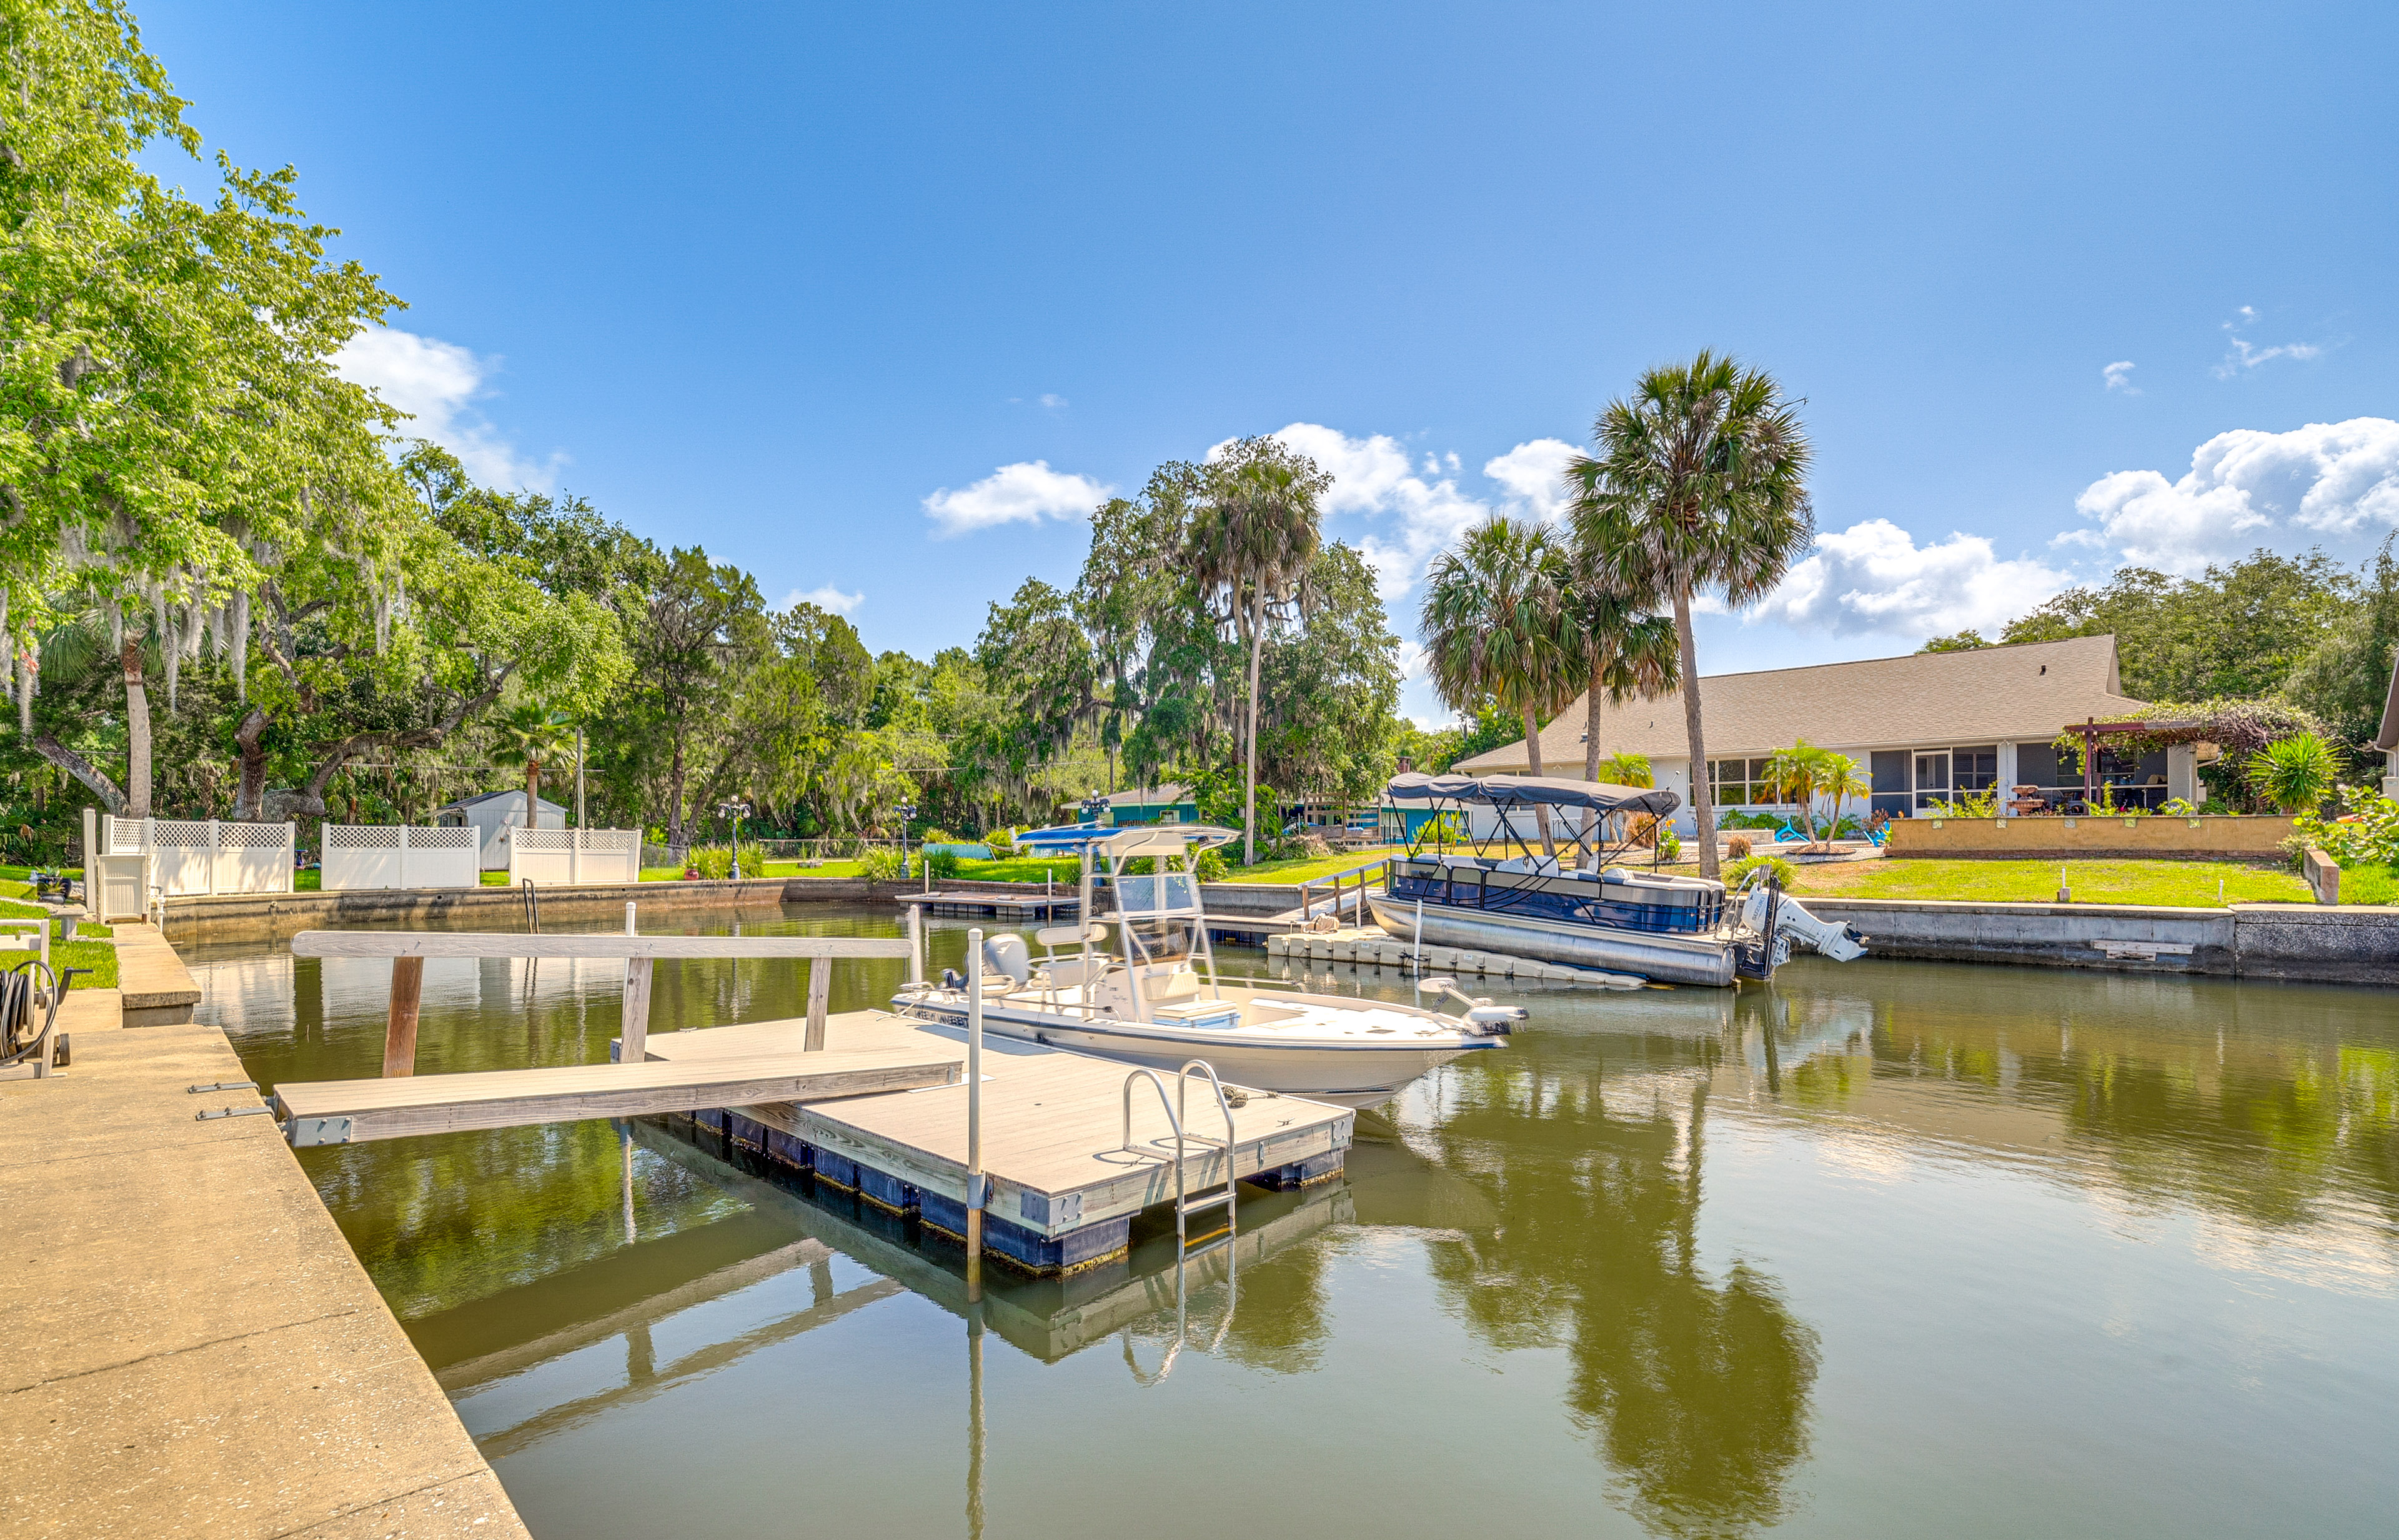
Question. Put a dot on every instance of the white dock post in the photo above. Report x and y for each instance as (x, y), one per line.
(915, 943)
(1419, 946)
(634, 1032)
(974, 1114)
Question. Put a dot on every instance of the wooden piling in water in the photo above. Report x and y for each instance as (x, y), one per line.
(400, 1018)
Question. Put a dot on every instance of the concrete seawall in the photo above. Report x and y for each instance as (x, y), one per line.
(2294, 942)
(187, 1343)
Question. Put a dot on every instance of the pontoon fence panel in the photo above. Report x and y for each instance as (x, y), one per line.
(354, 858)
(566, 856)
(191, 856)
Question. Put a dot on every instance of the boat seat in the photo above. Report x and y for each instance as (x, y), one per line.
(1199, 1013)
(1539, 866)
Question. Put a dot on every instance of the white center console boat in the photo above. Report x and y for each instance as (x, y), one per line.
(1141, 987)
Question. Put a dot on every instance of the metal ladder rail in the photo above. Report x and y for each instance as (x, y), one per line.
(1230, 1196)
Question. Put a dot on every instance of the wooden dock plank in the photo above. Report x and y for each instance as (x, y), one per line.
(499, 1099)
(1053, 1122)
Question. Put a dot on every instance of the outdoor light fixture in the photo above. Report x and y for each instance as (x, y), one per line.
(733, 812)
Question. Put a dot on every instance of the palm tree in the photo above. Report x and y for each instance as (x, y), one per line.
(1252, 540)
(1803, 772)
(533, 737)
(1624, 768)
(1628, 654)
(1699, 485)
(1496, 628)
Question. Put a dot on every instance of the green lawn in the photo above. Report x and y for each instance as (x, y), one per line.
(2370, 884)
(98, 956)
(2181, 885)
(1308, 870)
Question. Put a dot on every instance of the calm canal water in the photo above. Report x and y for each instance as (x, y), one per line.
(1891, 1249)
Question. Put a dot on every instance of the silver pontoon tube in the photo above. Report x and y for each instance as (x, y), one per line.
(1667, 958)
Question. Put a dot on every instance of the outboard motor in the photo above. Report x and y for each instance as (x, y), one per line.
(1831, 938)
(1481, 1013)
(1009, 955)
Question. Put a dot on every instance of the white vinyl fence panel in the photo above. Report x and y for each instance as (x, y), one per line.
(357, 857)
(567, 857)
(193, 856)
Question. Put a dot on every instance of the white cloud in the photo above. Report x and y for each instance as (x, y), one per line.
(436, 384)
(825, 598)
(1415, 506)
(2329, 483)
(1025, 492)
(2119, 376)
(1534, 474)
(1055, 402)
(1412, 517)
(1874, 578)
(2246, 354)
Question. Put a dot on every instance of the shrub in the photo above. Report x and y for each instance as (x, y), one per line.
(942, 864)
(880, 865)
(2369, 836)
(1738, 848)
(1214, 868)
(1670, 845)
(1784, 873)
(754, 858)
(2295, 774)
(998, 842)
(713, 861)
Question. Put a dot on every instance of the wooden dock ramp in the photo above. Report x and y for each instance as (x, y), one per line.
(352, 1112)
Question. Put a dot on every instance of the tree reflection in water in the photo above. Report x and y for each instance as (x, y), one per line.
(1695, 1389)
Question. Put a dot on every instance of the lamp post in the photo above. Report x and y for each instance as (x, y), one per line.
(907, 811)
(733, 812)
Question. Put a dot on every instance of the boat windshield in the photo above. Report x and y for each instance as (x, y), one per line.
(1165, 893)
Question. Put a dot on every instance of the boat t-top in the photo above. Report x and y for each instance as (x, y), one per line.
(1583, 908)
(1141, 987)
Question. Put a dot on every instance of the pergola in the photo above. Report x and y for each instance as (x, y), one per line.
(2091, 731)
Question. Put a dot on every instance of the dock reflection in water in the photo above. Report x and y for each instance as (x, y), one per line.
(1886, 1250)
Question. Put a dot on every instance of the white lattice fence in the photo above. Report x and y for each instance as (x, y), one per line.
(193, 856)
(355, 856)
(564, 857)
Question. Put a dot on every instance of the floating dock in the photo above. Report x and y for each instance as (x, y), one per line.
(1373, 947)
(1021, 908)
(1063, 1181)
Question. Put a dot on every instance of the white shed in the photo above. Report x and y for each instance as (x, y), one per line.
(495, 813)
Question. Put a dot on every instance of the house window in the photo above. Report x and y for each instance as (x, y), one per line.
(1976, 769)
(1743, 783)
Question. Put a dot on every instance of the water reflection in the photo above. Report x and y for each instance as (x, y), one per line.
(1693, 1388)
(1644, 1218)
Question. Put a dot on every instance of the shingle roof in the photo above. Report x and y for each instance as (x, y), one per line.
(2024, 692)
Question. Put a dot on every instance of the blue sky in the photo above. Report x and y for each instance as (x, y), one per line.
(872, 299)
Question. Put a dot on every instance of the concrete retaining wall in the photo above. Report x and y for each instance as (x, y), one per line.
(2356, 945)
(2047, 838)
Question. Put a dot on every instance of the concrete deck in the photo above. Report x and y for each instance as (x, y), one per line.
(159, 990)
(187, 1344)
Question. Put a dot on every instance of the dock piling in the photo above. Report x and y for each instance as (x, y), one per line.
(820, 997)
(400, 1019)
(974, 1114)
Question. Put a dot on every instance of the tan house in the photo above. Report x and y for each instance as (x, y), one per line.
(1924, 728)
